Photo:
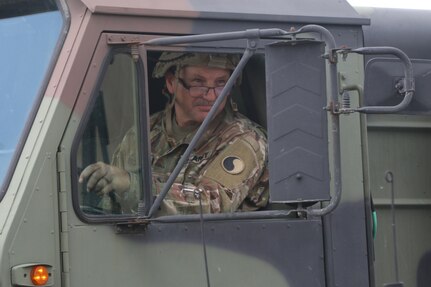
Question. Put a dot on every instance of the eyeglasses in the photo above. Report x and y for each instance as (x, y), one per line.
(196, 91)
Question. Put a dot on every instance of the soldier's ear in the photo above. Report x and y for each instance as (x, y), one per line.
(171, 82)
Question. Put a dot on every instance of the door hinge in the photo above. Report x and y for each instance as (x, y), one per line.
(62, 203)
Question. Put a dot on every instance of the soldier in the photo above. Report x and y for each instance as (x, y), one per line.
(227, 170)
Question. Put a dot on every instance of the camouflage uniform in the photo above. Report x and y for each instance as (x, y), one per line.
(228, 165)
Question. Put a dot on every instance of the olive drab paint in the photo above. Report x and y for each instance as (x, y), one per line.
(347, 126)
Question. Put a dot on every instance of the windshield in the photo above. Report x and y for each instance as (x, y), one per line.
(29, 32)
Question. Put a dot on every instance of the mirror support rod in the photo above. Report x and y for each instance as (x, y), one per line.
(327, 37)
(335, 119)
(247, 34)
(408, 87)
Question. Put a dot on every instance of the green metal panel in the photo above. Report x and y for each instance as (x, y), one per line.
(401, 144)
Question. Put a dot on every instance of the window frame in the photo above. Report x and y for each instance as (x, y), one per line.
(108, 53)
(113, 39)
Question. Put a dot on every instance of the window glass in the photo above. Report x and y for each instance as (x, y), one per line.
(112, 123)
(29, 32)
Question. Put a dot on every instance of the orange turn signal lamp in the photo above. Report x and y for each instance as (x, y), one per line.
(39, 275)
(33, 274)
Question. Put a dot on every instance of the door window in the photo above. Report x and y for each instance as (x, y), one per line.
(113, 122)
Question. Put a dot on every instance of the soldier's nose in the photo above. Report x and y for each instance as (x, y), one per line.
(211, 95)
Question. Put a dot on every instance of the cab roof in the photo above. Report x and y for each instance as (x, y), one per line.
(301, 11)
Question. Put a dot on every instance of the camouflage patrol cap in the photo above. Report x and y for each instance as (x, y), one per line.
(178, 59)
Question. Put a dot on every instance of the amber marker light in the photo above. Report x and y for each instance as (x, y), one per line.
(39, 275)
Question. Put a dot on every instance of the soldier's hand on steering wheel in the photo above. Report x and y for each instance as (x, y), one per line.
(104, 178)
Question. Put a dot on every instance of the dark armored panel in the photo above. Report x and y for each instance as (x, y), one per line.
(297, 122)
(406, 29)
(299, 264)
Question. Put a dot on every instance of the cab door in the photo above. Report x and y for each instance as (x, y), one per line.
(104, 246)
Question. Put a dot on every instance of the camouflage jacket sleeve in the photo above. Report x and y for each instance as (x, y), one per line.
(126, 157)
(237, 177)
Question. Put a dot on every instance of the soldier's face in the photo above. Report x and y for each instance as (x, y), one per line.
(192, 104)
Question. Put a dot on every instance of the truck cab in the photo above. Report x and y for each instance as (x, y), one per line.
(77, 76)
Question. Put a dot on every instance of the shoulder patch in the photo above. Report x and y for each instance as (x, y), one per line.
(233, 164)
(236, 163)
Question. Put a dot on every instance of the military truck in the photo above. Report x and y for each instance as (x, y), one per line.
(342, 93)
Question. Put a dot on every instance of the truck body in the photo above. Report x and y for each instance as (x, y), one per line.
(348, 135)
